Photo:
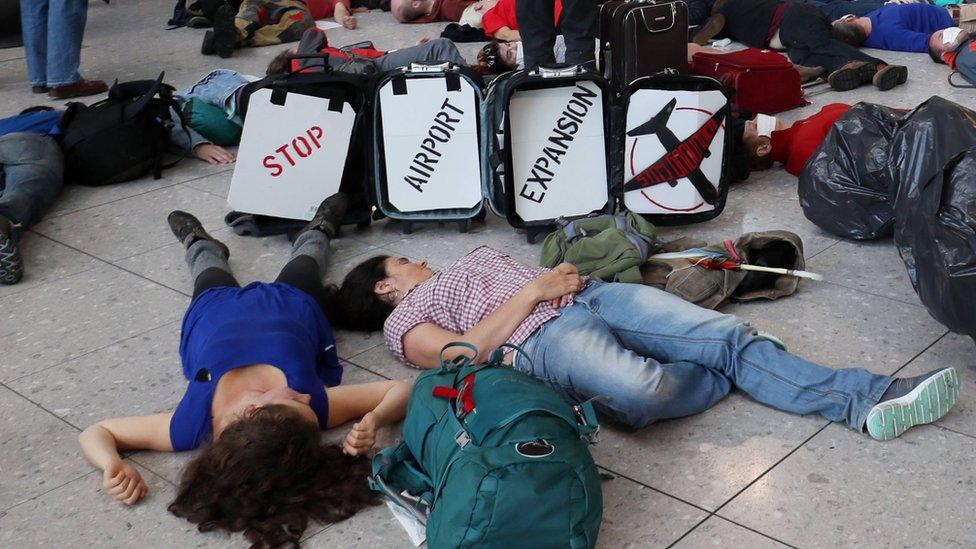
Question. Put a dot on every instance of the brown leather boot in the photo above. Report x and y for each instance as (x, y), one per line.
(80, 88)
(808, 74)
(890, 76)
(852, 75)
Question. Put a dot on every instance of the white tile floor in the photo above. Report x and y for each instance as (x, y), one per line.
(92, 332)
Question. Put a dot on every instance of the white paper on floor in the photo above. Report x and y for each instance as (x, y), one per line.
(326, 24)
(416, 531)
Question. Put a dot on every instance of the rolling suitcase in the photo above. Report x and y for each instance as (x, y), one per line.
(427, 161)
(643, 38)
(764, 81)
(673, 167)
(547, 134)
(304, 139)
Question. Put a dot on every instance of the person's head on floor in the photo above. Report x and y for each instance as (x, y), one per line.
(406, 11)
(268, 474)
(281, 63)
(37, 108)
(498, 57)
(372, 289)
(472, 14)
(850, 30)
(946, 41)
(759, 148)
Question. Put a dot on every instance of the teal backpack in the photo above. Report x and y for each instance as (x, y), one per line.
(494, 458)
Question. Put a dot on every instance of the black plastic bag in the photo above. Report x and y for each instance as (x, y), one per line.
(935, 209)
(846, 187)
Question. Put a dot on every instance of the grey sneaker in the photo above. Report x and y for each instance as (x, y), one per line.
(329, 215)
(11, 265)
(913, 401)
(188, 230)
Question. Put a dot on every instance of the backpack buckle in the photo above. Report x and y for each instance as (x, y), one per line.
(462, 439)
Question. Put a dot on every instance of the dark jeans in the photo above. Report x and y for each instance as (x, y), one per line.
(806, 33)
(303, 271)
(578, 24)
(31, 174)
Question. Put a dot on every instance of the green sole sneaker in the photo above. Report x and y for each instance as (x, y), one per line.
(929, 401)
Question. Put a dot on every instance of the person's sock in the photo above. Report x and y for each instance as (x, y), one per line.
(913, 401)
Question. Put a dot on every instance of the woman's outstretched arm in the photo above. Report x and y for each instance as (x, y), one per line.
(422, 344)
(102, 442)
(378, 404)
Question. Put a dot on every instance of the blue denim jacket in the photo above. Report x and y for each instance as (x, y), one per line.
(216, 88)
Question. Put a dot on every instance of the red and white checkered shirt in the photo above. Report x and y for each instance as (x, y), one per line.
(463, 294)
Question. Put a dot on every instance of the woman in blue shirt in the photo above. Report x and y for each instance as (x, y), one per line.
(263, 379)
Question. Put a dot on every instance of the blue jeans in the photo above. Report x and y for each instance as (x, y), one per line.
(215, 88)
(33, 170)
(657, 356)
(52, 39)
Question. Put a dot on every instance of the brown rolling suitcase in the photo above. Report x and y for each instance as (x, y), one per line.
(642, 38)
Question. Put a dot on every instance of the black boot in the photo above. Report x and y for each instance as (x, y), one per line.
(224, 31)
(188, 230)
(329, 216)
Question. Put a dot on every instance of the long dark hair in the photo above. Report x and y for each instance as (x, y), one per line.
(360, 308)
(267, 475)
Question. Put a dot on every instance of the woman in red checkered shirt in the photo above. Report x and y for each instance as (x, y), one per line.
(655, 355)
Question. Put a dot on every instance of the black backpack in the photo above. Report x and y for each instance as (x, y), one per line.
(120, 138)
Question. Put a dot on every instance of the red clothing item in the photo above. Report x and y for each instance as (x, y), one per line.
(324, 9)
(794, 145)
(445, 10)
(503, 15)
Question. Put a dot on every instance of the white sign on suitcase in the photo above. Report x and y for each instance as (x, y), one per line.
(674, 147)
(559, 151)
(291, 156)
(430, 146)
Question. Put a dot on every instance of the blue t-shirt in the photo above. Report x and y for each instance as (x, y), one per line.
(906, 27)
(42, 122)
(227, 328)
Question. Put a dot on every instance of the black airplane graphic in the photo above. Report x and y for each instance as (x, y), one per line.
(683, 158)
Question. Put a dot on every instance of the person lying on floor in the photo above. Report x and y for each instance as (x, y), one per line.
(32, 173)
(499, 22)
(351, 58)
(653, 355)
(957, 48)
(257, 23)
(894, 27)
(768, 140)
(805, 34)
(428, 11)
(263, 382)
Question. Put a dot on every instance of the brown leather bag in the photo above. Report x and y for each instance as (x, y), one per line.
(643, 38)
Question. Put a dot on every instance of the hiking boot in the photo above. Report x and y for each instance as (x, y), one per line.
(199, 22)
(80, 88)
(913, 401)
(207, 47)
(329, 216)
(188, 230)
(11, 265)
(890, 76)
(40, 89)
(224, 31)
(852, 75)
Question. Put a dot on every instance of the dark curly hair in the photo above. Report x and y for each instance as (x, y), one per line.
(267, 475)
(359, 307)
(281, 63)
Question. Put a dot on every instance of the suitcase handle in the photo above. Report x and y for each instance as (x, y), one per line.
(646, 23)
(432, 66)
(559, 72)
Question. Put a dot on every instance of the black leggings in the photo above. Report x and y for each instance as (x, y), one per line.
(302, 272)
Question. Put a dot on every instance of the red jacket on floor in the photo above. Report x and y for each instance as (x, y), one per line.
(793, 146)
(503, 15)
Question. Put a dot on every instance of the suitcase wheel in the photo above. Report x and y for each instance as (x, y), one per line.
(406, 227)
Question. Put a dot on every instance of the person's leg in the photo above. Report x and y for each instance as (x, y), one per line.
(438, 49)
(578, 355)
(578, 23)
(249, 18)
(33, 22)
(535, 21)
(287, 20)
(655, 323)
(33, 168)
(205, 255)
(65, 29)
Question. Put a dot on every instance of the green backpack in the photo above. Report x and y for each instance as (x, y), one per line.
(494, 458)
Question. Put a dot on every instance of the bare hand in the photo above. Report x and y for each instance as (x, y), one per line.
(423, 40)
(348, 21)
(361, 437)
(558, 285)
(214, 154)
(124, 483)
(360, 9)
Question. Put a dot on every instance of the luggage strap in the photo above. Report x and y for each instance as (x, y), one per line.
(463, 396)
